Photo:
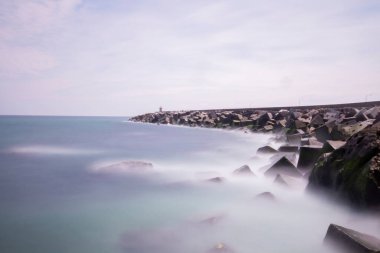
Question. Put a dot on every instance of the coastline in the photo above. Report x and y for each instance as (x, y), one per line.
(337, 149)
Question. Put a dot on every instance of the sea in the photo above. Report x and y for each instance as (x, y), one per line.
(59, 192)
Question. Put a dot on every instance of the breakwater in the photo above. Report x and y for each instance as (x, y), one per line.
(321, 135)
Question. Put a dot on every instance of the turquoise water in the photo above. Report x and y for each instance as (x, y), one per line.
(53, 198)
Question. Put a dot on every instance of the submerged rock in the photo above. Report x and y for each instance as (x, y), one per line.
(244, 170)
(351, 241)
(283, 167)
(265, 196)
(266, 150)
(279, 180)
(288, 149)
(353, 171)
(216, 180)
(133, 167)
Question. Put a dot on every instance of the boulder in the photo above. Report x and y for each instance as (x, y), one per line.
(294, 139)
(283, 167)
(308, 156)
(290, 149)
(265, 196)
(317, 121)
(353, 170)
(351, 241)
(244, 171)
(331, 145)
(266, 150)
(279, 180)
(126, 167)
(373, 112)
(357, 127)
(322, 133)
(216, 180)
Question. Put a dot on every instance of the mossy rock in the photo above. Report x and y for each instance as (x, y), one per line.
(353, 171)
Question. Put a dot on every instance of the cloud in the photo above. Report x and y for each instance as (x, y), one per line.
(22, 27)
(127, 57)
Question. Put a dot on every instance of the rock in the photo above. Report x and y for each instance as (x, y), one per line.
(360, 116)
(294, 139)
(322, 133)
(244, 171)
(353, 170)
(265, 196)
(308, 156)
(290, 149)
(211, 221)
(279, 180)
(317, 121)
(357, 127)
(283, 167)
(332, 115)
(132, 167)
(216, 180)
(312, 141)
(351, 241)
(299, 124)
(266, 150)
(263, 118)
(373, 112)
(330, 146)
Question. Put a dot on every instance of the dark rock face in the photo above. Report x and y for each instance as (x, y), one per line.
(283, 167)
(244, 170)
(290, 149)
(351, 241)
(308, 156)
(266, 150)
(353, 170)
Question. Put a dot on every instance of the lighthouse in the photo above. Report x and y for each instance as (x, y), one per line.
(160, 109)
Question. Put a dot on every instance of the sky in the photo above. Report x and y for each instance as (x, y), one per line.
(127, 57)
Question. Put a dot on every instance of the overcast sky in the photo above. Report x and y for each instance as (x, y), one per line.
(124, 57)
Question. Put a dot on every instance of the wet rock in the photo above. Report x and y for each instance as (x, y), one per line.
(290, 149)
(353, 170)
(283, 167)
(294, 139)
(244, 171)
(330, 146)
(216, 180)
(308, 156)
(322, 133)
(266, 150)
(279, 180)
(131, 167)
(373, 112)
(265, 196)
(317, 121)
(212, 221)
(357, 127)
(351, 241)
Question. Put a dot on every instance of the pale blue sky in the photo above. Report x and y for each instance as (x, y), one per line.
(74, 57)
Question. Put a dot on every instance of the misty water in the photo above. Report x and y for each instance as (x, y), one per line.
(54, 197)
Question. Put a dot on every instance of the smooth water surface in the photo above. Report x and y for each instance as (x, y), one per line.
(53, 198)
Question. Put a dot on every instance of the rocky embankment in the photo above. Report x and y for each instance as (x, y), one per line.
(338, 145)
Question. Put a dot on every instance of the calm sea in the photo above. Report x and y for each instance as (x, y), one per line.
(55, 199)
